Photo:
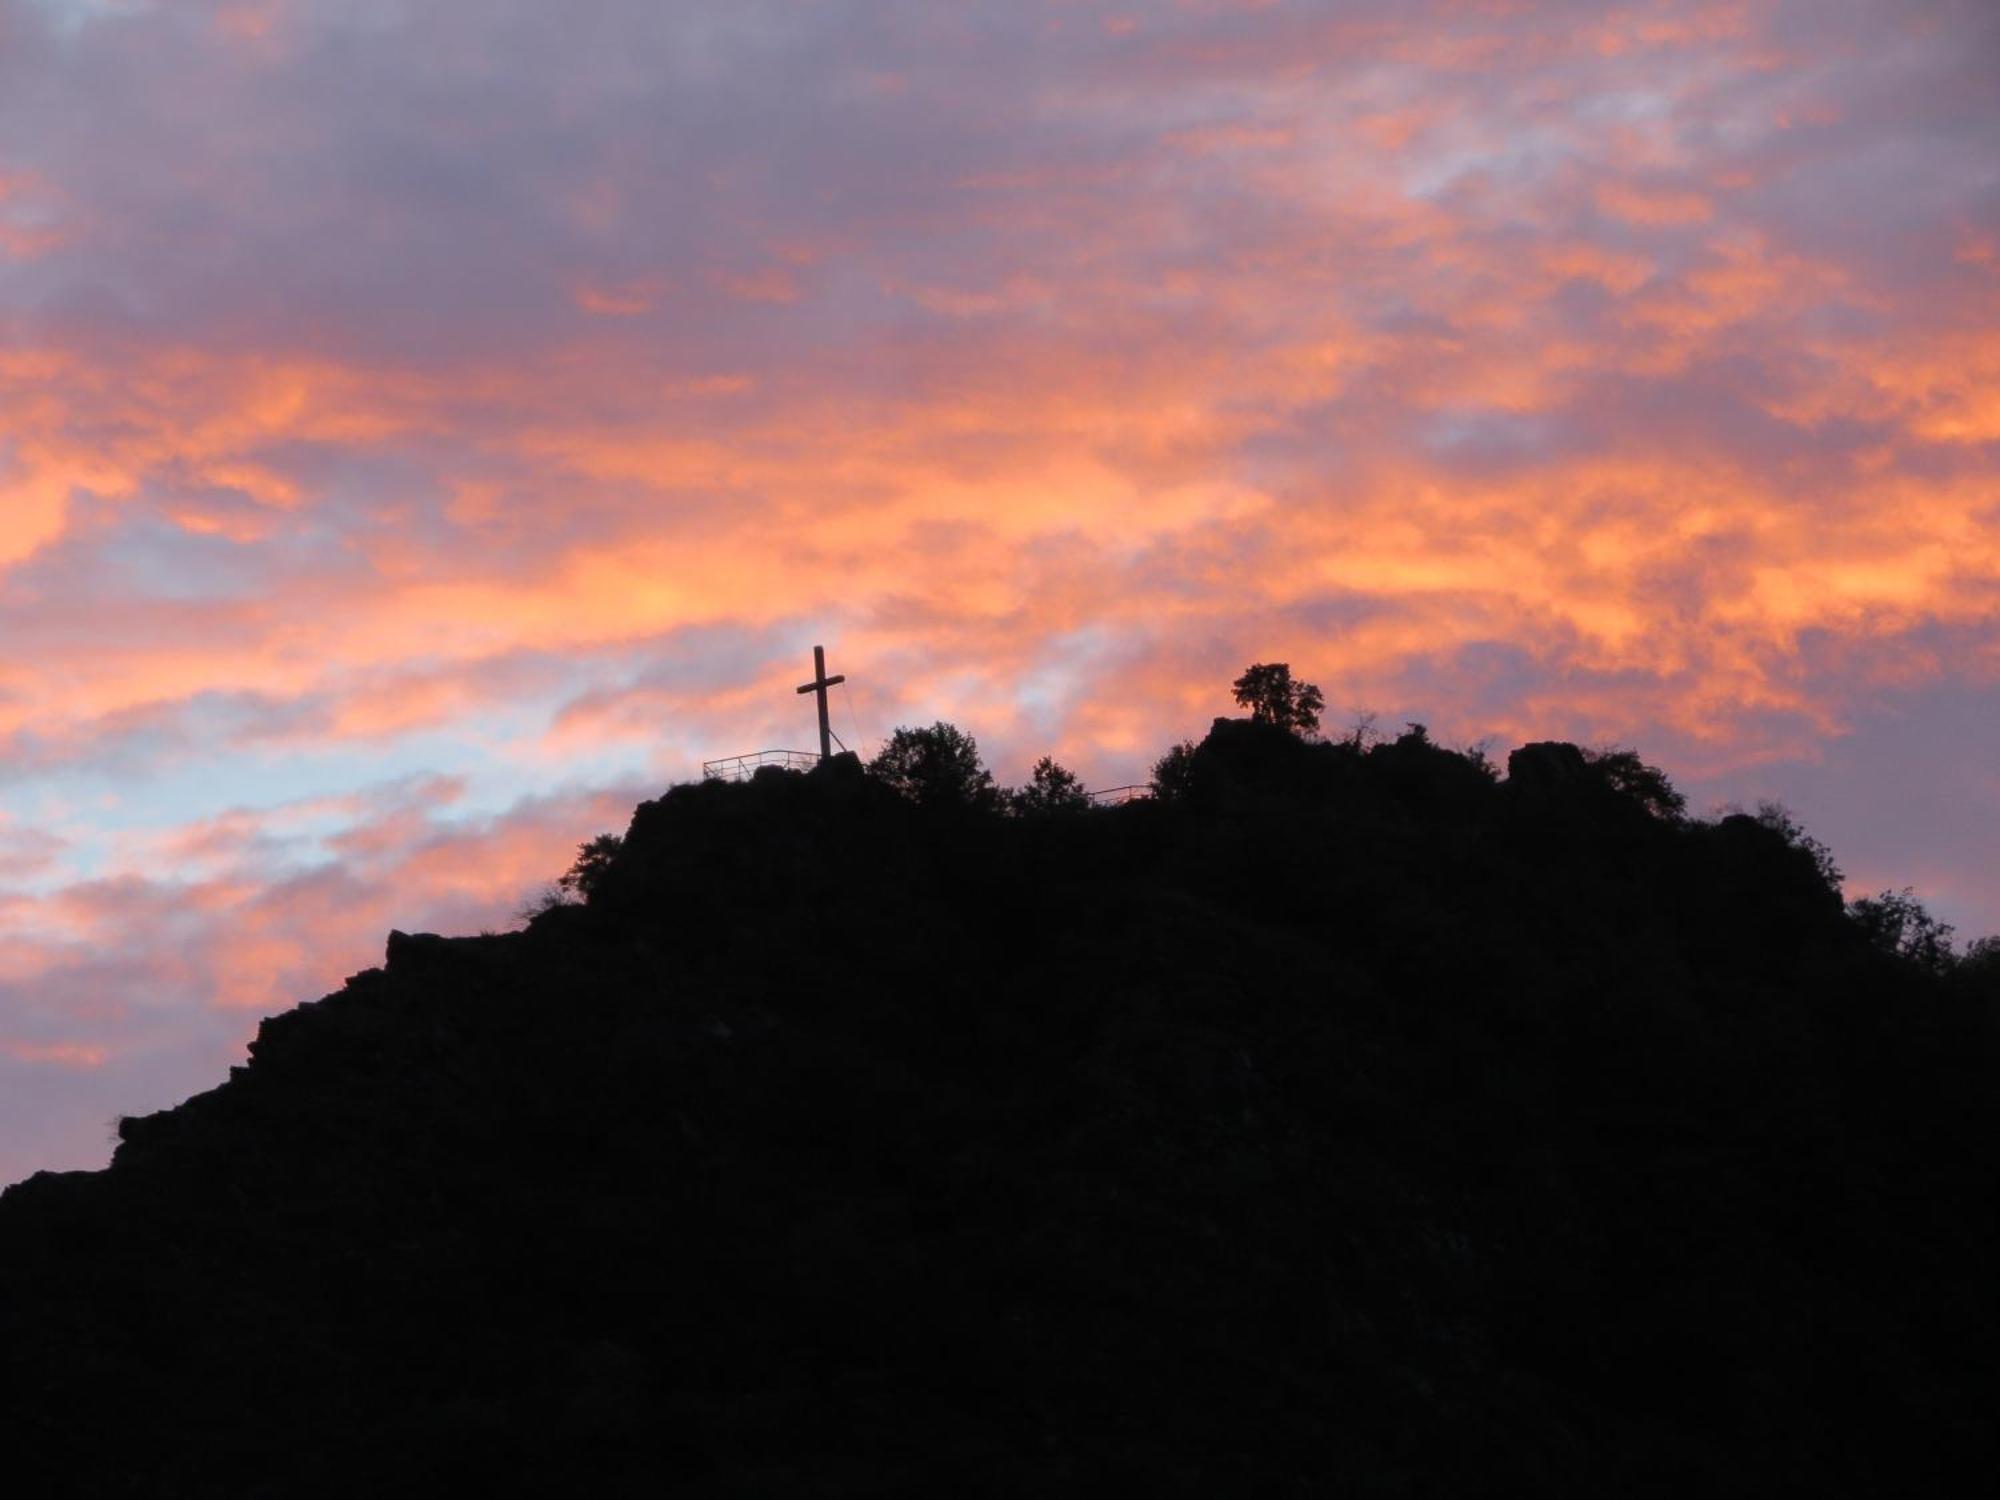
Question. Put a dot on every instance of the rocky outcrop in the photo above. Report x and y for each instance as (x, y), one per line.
(1337, 1128)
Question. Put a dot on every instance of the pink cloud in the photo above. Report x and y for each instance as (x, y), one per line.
(1651, 207)
(625, 301)
(56, 1054)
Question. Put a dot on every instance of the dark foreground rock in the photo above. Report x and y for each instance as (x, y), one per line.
(1359, 1124)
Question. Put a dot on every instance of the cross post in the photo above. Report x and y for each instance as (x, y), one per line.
(820, 683)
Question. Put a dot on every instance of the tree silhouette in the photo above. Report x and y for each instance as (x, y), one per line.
(1173, 773)
(1978, 970)
(1267, 690)
(592, 860)
(935, 767)
(1896, 922)
(1647, 785)
(1780, 820)
(1051, 788)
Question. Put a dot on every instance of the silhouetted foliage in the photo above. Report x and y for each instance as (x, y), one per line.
(1779, 819)
(545, 898)
(592, 860)
(1173, 773)
(1268, 691)
(1646, 785)
(1479, 755)
(1976, 977)
(1348, 1122)
(1897, 922)
(935, 767)
(1051, 788)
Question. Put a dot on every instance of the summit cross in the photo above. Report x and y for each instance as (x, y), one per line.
(820, 683)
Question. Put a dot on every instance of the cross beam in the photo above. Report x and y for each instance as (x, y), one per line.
(820, 683)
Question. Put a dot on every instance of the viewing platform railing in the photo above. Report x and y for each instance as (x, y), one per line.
(1113, 796)
(743, 767)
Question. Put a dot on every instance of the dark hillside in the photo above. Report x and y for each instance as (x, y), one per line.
(1349, 1123)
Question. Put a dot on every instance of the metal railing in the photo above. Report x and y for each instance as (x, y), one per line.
(743, 767)
(1113, 796)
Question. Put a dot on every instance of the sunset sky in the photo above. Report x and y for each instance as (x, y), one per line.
(429, 426)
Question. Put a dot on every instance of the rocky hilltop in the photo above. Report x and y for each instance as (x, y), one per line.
(1354, 1121)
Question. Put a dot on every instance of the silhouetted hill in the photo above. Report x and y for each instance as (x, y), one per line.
(1352, 1123)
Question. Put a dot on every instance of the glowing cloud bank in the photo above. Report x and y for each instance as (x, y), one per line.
(426, 428)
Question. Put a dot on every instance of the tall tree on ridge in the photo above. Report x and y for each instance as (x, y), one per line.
(1268, 691)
